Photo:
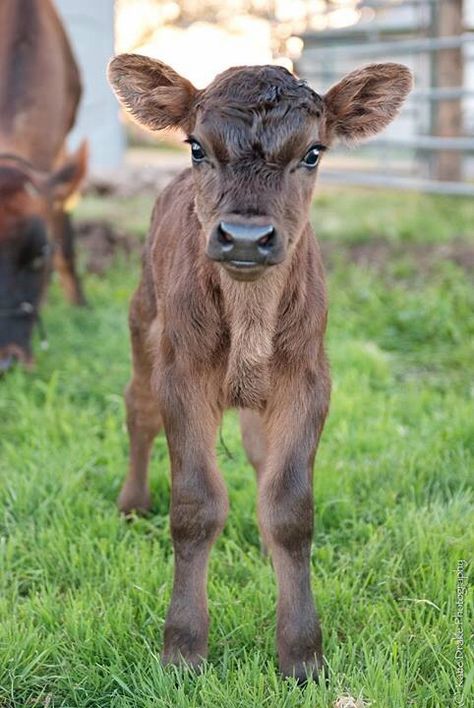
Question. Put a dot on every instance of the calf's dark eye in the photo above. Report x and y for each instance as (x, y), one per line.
(311, 158)
(197, 153)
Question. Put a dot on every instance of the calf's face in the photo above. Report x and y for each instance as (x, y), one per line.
(257, 135)
(27, 199)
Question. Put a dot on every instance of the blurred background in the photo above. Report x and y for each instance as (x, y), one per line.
(429, 148)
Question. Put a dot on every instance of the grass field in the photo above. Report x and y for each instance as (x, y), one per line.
(83, 594)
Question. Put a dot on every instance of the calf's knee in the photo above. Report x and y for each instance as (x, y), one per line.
(286, 514)
(198, 513)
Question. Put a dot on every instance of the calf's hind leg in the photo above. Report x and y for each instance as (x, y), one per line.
(143, 423)
(254, 442)
(253, 438)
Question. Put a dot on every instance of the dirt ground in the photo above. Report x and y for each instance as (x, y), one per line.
(377, 254)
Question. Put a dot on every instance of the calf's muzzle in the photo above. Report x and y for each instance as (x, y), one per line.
(245, 245)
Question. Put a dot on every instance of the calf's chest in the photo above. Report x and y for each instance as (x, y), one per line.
(251, 324)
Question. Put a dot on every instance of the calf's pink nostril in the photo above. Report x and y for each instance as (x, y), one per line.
(224, 236)
(265, 240)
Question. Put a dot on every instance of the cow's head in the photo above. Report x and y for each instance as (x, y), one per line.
(257, 135)
(28, 199)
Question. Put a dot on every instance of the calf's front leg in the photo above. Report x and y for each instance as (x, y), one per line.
(199, 508)
(65, 258)
(293, 423)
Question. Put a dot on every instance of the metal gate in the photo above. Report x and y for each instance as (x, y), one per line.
(430, 146)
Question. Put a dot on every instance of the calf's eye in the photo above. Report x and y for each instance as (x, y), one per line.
(36, 263)
(311, 158)
(197, 153)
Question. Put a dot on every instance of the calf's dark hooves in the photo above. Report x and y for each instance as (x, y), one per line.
(195, 664)
(132, 501)
(185, 645)
(303, 672)
(186, 657)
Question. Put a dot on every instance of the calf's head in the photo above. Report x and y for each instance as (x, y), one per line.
(257, 135)
(27, 201)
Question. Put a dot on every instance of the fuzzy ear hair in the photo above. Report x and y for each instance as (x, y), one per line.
(156, 95)
(365, 101)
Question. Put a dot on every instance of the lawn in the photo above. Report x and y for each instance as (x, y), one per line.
(83, 593)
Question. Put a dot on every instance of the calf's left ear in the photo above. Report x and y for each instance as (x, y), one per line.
(365, 101)
(65, 182)
(156, 95)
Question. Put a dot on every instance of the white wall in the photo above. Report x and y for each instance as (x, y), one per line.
(90, 26)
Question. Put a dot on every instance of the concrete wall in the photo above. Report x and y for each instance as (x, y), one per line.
(90, 26)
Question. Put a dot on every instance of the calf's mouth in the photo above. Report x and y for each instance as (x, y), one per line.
(244, 270)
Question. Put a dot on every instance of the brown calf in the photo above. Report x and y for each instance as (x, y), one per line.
(39, 94)
(231, 311)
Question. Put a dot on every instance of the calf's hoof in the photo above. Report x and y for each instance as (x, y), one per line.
(303, 671)
(184, 645)
(133, 499)
(191, 661)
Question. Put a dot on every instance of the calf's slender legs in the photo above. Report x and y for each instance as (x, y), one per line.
(253, 438)
(143, 424)
(199, 509)
(285, 507)
(254, 442)
(281, 443)
(143, 421)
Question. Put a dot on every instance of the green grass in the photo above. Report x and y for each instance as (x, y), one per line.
(359, 215)
(83, 594)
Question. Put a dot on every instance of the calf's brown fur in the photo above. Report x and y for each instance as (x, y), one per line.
(209, 333)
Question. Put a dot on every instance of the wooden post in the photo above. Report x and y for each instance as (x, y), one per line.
(449, 73)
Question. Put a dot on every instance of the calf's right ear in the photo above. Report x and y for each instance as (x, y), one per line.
(365, 101)
(155, 95)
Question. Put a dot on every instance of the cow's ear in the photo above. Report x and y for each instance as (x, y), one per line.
(64, 183)
(365, 101)
(155, 95)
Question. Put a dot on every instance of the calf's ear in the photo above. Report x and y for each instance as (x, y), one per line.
(365, 101)
(155, 95)
(65, 182)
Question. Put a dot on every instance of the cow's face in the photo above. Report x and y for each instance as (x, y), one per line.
(257, 135)
(255, 149)
(27, 202)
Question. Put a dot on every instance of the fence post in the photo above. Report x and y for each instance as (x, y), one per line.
(449, 73)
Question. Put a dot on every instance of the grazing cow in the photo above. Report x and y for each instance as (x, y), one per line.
(39, 93)
(231, 312)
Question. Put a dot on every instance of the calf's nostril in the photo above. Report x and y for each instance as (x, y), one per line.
(267, 239)
(224, 236)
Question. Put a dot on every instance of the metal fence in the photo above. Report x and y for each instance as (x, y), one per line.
(430, 146)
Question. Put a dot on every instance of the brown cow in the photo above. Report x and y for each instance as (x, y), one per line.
(231, 311)
(39, 93)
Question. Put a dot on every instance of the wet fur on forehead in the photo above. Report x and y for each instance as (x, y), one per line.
(248, 107)
(259, 88)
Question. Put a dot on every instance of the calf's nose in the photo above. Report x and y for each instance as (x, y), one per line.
(242, 243)
(246, 234)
